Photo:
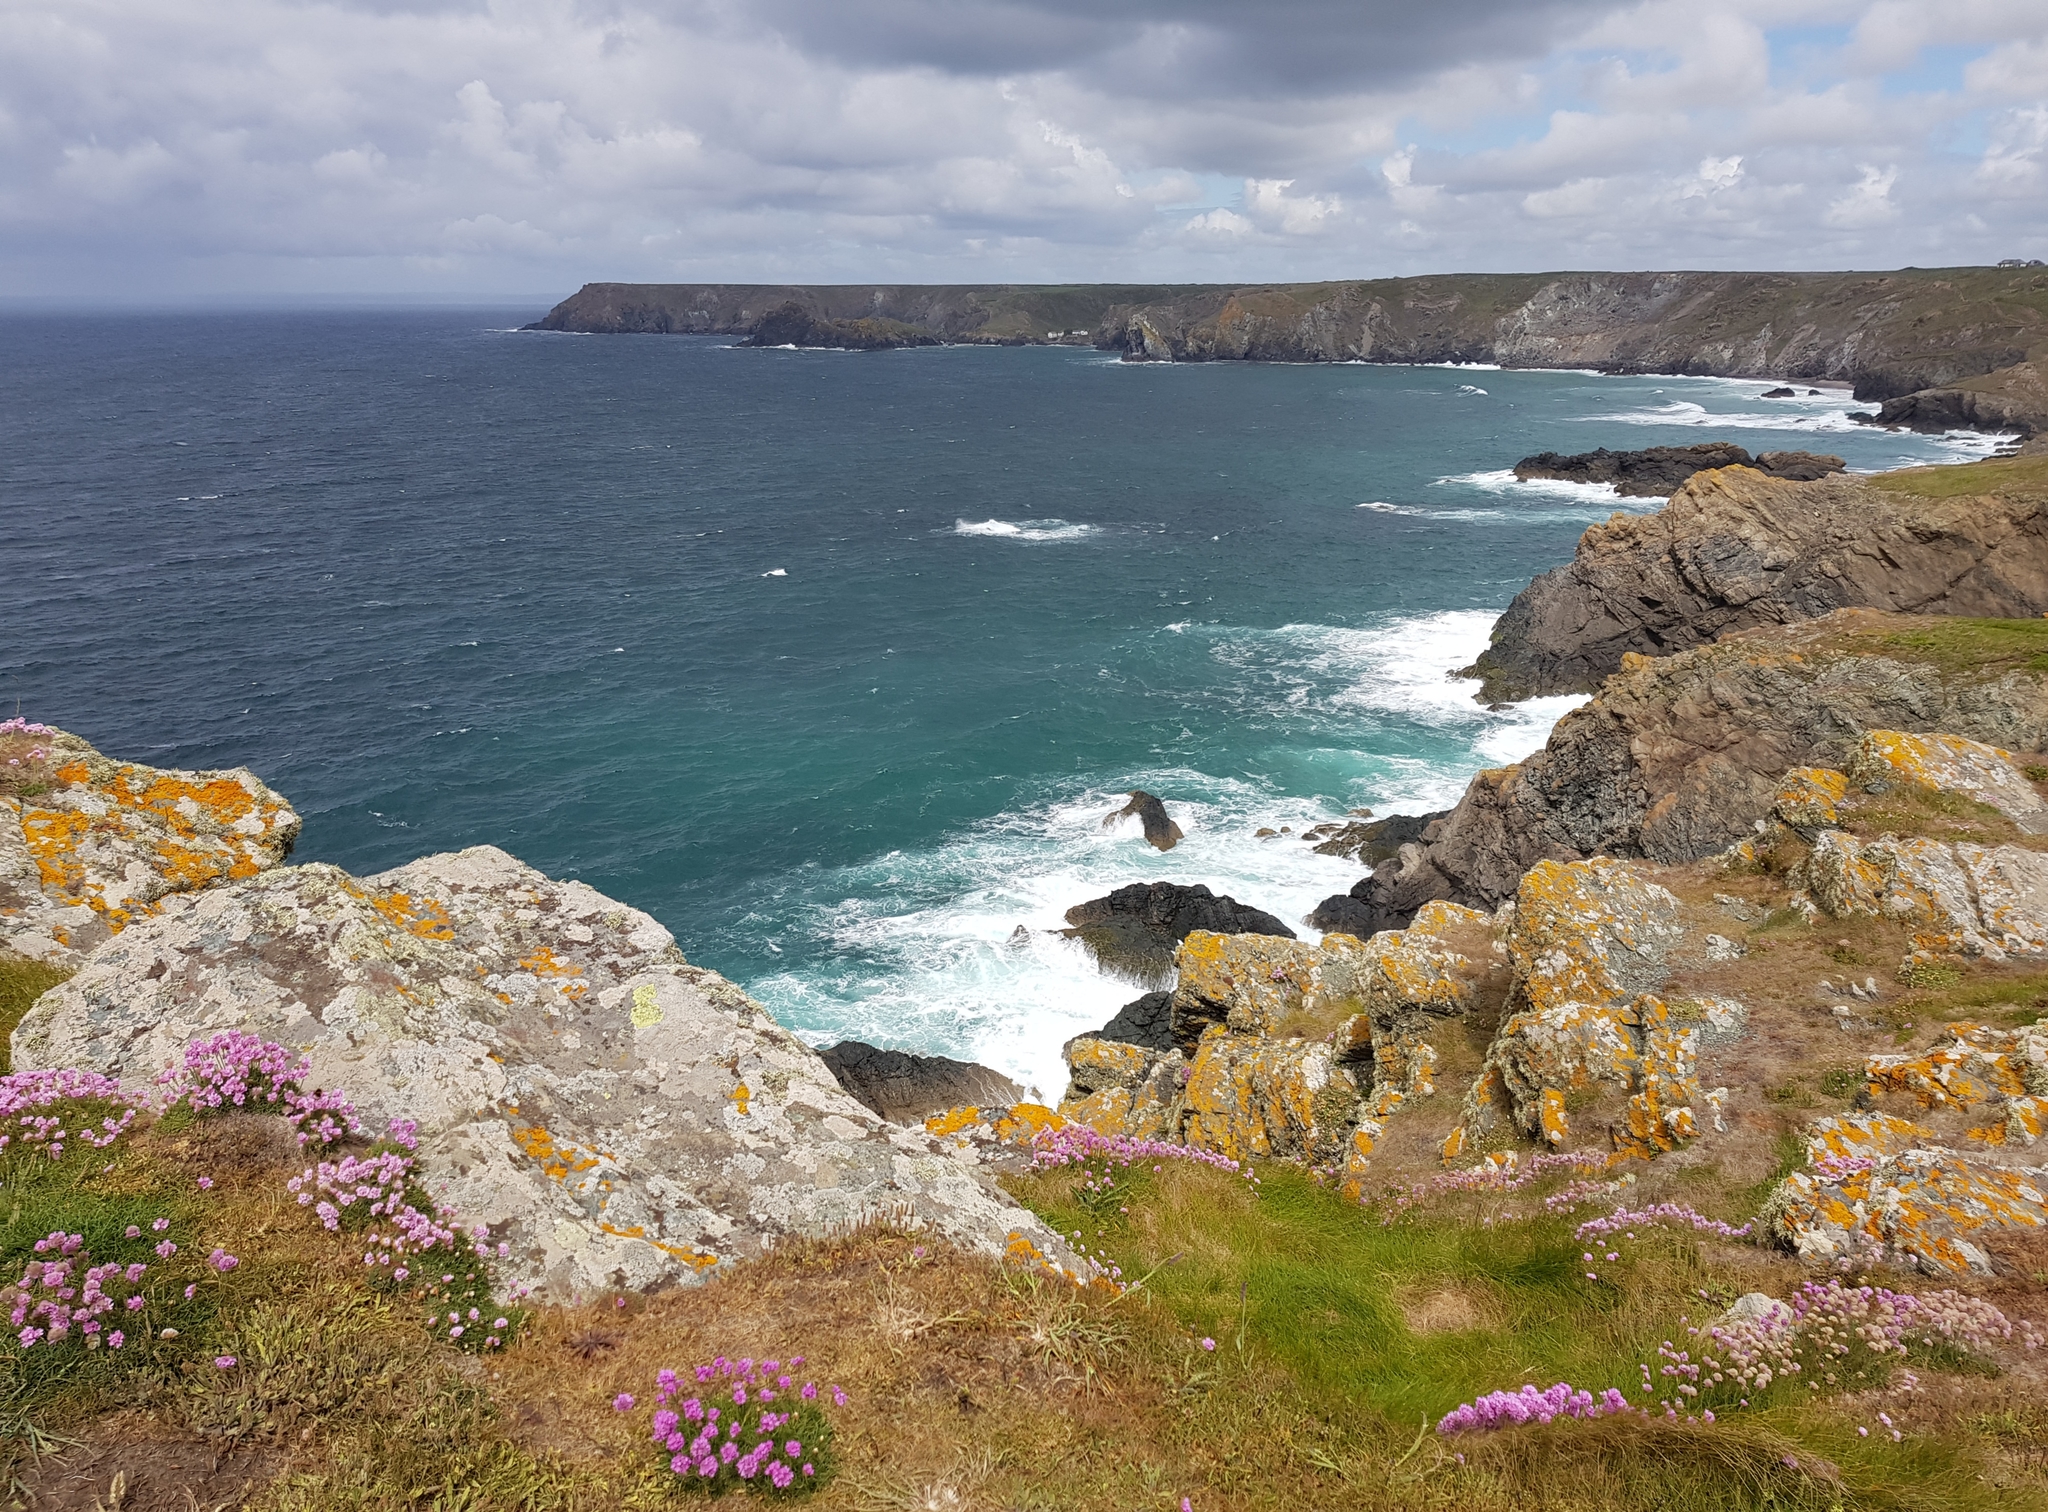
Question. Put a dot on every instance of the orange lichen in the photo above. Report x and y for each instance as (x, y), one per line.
(426, 917)
(952, 1121)
(740, 1096)
(556, 1160)
(543, 962)
(690, 1255)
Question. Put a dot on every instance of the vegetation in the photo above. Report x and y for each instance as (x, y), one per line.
(2000, 475)
(22, 981)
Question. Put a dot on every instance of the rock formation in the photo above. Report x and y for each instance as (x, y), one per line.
(1133, 931)
(620, 1117)
(904, 1088)
(2011, 399)
(1656, 471)
(1735, 549)
(795, 324)
(1160, 830)
(89, 846)
(1677, 758)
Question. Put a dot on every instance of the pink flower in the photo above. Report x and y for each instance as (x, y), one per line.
(1209, 1344)
(623, 1402)
(224, 1362)
(206, 1183)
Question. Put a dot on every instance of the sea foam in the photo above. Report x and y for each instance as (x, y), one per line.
(1029, 530)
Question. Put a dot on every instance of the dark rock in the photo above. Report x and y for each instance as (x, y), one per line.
(905, 1088)
(1779, 393)
(1657, 471)
(1145, 1021)
(1151, 813)
(794, 324)
(1735, 549)
(1132, 932)
(1371, 842)
(1799, 466)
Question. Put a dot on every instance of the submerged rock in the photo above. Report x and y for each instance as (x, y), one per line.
(1136, 929)
(89, 845)
(905, 1088)
(621, 1118)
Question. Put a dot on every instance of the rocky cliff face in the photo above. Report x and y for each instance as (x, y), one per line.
(1735, 549)
(1677, 758)
(1655, 472)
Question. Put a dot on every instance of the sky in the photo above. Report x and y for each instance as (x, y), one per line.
(455, 149)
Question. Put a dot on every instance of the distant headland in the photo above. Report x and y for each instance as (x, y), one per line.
(1939, 348)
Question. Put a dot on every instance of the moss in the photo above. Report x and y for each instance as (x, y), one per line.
(22, 981)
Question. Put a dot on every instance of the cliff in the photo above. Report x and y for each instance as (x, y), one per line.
(1888, 334)
(1735, 549)
(1677, 758)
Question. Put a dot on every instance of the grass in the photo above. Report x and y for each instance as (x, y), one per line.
(1340, 1339)
(1975, 645)
(22, 981)
(1996, 475)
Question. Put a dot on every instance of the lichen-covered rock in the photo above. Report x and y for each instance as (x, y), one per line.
(1119, 1088)
(1809, 797)
(1408, 982)
(622, 1118)
(1258, 1097)
(1951, 764)
(1247, 982)
(1973, 1066)
(1975, 900)
(100, 843)
(1934, 1208)
(1586, 939)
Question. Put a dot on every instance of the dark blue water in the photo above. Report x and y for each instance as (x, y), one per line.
(830, 661)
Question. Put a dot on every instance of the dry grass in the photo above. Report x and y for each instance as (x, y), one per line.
(22, 981)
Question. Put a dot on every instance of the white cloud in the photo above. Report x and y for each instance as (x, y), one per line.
(483, 145)
(1867, 202)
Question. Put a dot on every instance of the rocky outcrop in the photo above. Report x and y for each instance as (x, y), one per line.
(1145, 1021)
(2013, 399)
(1949, 764)
(1369, 840)
(1136, 929)
(1587, 941)
(89, 846)
(1735, 549)
(1656, 471)
(795, 324)
(1161, 833)
(1969, 900)
(1678, 758)
(620, 1117)
(1885, 1187)
(905, 1088)
(1248, 983)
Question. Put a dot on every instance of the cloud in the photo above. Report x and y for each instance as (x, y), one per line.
(474, 146)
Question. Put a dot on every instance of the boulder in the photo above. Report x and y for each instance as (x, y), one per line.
(1974, 900)
(1135, 930)
(1249, 982)
(1736, 549)
(621, 1118)
(1586, 941)
(1247, 1096)
(1950, 764)
(1370, 841)
(1117, 1088)
(91, 845)
(904, 1088)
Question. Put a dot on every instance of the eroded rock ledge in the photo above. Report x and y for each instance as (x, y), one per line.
(1736, 549)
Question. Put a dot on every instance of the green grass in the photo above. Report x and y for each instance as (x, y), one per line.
(1975, 645)
(1998, 475)
(22, 981)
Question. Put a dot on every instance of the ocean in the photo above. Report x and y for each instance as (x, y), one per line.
(832, 662)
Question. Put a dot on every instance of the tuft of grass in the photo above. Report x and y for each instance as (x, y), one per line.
(22, 981)
(1975, 645)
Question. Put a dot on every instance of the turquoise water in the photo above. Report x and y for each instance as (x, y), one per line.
(832, 662)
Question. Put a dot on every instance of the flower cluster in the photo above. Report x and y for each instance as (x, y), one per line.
(1078, 1144)
(235, 1069)
(356, 1191)
(1510, 1175)
(19, 726)
(32, 1119)
(1623, 1222)
(1827, 1335)
(749, 1423)
(66, 1292)
(1501, 1409)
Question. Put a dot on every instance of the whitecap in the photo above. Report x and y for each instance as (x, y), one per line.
(1030, 530)
(776, 572)
(1466, 388)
